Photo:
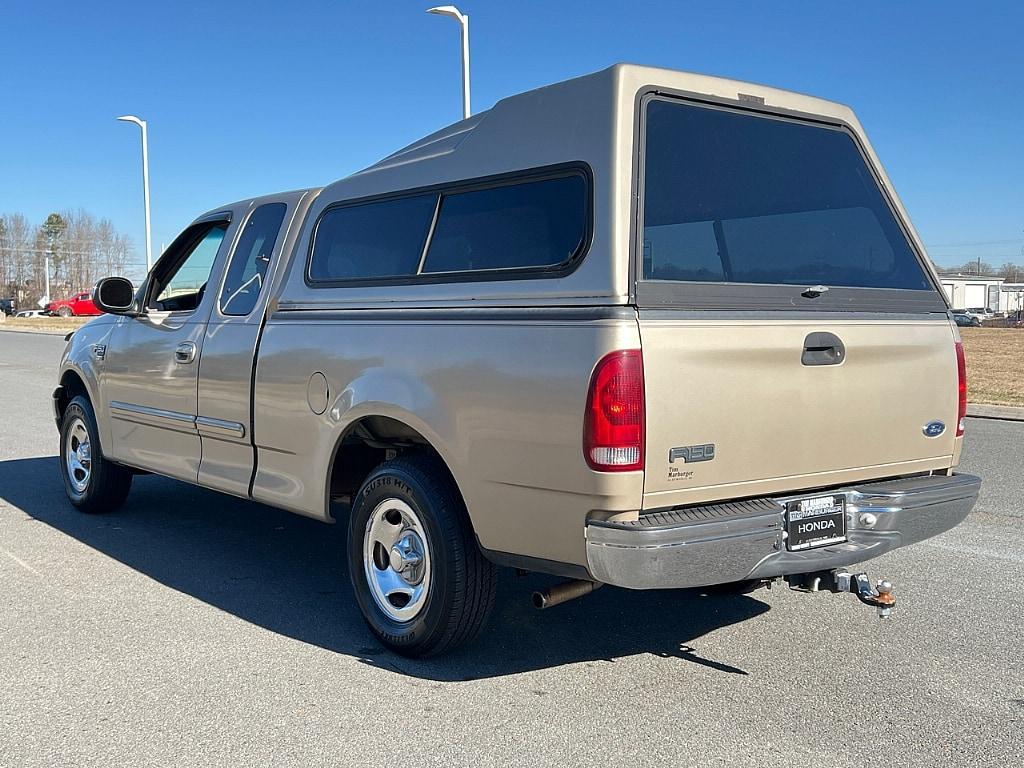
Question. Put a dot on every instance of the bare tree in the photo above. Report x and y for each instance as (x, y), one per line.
(1012, 272)
(16, 247)
(976, 267)
(81, 248)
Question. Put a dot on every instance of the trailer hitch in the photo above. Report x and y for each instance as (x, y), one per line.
(880, 596)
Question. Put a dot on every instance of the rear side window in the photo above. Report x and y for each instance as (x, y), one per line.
(532, 224)
(740, 198)
(517, 226)
(249, 263)
(371, 240)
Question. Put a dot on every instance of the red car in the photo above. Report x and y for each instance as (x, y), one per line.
(79, 304)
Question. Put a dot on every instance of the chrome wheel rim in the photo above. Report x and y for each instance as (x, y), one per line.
(78, 455)
(396, 560)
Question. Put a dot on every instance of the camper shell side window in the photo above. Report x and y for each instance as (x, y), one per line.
(535, 223)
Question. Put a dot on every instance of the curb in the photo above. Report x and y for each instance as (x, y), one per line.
(1002, 412)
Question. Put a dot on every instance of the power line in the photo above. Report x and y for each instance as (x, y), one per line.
(975, 243)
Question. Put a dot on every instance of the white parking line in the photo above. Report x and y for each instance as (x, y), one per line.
(20, 562)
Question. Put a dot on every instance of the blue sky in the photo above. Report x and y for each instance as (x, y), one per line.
(256, 97)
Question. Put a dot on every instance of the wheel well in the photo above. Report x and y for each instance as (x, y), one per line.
(71, 387)
(367, 443)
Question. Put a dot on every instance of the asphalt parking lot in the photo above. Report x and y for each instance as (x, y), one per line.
(191, 628)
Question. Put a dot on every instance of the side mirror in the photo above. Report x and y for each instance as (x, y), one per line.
(115, 296)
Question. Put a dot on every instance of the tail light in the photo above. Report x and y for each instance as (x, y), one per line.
(961, 375)
(613, 429)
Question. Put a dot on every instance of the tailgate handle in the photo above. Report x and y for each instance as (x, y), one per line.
(823, 348)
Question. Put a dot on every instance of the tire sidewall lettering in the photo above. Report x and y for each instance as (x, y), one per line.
(389, 483)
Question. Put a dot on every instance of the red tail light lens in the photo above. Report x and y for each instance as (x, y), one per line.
(961, 375)
(613, 429)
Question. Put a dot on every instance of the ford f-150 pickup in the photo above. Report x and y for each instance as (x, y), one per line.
(641, 328)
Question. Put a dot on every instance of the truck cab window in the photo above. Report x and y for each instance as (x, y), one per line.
(179, 283)
(248, 268)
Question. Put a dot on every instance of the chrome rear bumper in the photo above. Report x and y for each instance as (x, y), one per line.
(721, 543)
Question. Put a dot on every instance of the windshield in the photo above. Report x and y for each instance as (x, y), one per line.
(741, 198)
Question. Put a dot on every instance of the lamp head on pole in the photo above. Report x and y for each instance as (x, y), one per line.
(448, 10)
(132, 119)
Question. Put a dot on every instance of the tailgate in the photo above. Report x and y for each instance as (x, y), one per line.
(737, 408)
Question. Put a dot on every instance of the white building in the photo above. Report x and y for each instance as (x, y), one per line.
(974, 291)
(1012, 297)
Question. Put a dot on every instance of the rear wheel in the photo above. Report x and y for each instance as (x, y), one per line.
(418, 575)
(65, 312)
(92, 483)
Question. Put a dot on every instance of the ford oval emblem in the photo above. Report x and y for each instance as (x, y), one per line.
(934, 428)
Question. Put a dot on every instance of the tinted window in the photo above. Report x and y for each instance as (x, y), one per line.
(733, 197)
(249, 263)
(530, 224)
(381, 239)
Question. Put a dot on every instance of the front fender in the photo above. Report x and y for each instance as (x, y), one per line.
(81, 359)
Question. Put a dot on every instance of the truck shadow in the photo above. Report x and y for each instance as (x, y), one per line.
(288, 574)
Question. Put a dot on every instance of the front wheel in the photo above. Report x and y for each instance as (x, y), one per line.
(91, 481)
(418, 575)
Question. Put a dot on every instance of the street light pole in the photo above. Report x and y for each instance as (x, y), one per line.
(463, 19)
(145, 183)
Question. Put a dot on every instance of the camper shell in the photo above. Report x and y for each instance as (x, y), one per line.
(594, 121)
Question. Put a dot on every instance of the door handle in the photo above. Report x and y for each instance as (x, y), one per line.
(185, 352)
(823, 348)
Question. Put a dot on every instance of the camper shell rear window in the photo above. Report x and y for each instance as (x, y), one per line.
(738, 205)
(531, 224)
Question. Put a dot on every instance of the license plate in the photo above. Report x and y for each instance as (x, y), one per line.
(815, 522)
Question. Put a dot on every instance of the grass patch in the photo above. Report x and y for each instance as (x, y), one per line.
(44, 324)
(995, 365)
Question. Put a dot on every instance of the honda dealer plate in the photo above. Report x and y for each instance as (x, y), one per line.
(815, 522)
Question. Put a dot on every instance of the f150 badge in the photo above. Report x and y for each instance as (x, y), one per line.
(688, 454)
(692, 453)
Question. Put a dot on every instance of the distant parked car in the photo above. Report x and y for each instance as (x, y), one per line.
(79, 304)
(964, 320)
(7, 306)
(983, 312)
(31, 313)
(972, 313)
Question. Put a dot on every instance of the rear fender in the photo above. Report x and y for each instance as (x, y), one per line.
(396, 395)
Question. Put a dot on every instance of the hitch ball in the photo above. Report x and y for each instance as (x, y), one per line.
(885, 600)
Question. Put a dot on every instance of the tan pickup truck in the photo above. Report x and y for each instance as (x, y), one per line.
(641, 328)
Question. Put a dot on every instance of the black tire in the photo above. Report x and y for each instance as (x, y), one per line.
(106, 485)
(65, 312)
(462, 582)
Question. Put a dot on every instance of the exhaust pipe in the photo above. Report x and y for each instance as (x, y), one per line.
(563, 593)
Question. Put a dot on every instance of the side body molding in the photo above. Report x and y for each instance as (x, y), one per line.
(187, 422)
(157, 417)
